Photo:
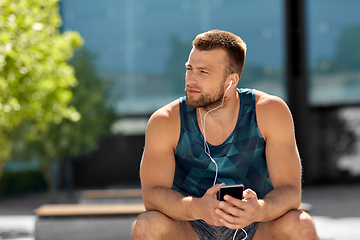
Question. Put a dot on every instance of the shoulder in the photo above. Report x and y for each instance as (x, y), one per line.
(164, 124)
(166, 114)
(269, 102)
(273, 114)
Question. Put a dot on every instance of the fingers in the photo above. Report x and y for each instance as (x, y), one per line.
(249, 194)
(209, 204)
(235, 213)
(214, 190)
(230, 209)
(231, 225)
(230, 220)
(232, 206)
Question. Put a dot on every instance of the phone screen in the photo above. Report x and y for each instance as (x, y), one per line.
(235, 191)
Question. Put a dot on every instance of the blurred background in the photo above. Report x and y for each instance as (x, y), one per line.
(80, 78)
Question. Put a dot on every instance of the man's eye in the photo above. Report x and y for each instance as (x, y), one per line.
(202, 71)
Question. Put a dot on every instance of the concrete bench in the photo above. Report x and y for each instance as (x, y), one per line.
(85, 221)
(90, 221)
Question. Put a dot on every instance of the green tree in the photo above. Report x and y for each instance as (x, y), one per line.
(35, 77)
(75, 138)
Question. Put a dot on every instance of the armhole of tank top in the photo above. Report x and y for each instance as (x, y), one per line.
(253, 91)
(181, 111)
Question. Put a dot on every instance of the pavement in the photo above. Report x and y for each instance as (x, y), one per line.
(335, 210)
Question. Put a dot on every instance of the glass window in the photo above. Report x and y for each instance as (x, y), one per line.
(333, 51)
(144, 44)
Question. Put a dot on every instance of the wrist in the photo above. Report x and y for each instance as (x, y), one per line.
(192, 208)
(260, 216)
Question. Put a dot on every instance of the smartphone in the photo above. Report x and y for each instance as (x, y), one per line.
(235, 191)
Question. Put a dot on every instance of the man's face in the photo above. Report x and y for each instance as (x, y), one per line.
(205, 78)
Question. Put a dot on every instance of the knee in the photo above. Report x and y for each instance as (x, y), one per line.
(307, 226)
(299, 223)
(149, 225)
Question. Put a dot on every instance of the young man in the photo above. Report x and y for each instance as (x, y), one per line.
(221, 135)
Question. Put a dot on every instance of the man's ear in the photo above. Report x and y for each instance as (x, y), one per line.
(234, 78)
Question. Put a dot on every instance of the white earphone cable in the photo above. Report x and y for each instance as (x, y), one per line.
(206, 145)
(207, 148)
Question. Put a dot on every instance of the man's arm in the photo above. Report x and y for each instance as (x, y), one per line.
(282, 157)
(283, 161)
(158, 167)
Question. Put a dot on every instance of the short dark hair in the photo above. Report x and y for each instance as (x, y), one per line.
(233, 45)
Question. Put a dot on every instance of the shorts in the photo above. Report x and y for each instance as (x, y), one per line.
(209, 232)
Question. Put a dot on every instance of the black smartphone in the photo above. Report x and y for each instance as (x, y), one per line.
(235, 191)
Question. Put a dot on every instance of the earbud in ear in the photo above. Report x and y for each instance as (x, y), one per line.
(229, 85)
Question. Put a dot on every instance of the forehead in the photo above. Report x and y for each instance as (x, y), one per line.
(210, 58)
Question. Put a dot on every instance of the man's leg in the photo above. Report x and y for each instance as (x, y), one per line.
(154, 225)
(293, 225)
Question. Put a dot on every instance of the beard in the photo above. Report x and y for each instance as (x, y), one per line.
(206, 101)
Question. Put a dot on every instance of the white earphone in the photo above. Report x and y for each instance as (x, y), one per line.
(207, 149)
(229, 85)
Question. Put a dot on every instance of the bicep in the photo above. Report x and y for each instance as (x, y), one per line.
(158, 163)
(283, 162)
(157, 168)
(281, 151)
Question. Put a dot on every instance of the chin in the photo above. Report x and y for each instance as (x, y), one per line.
(191, 104)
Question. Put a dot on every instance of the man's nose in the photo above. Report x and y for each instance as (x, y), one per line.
(190, 78)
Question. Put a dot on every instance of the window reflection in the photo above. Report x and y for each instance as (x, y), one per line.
(144, 44)
(334, 51)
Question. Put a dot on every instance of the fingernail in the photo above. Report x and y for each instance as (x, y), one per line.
(226, 197)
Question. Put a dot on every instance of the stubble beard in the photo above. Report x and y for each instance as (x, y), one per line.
(205, 101)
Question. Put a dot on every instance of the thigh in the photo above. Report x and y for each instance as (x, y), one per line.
(156, 225)
(183, 230)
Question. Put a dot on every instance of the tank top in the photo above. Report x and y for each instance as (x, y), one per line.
(240, 158)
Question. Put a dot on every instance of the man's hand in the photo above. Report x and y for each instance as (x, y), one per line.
(208, 205)
(237, 214)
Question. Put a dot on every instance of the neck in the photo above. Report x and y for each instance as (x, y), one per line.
(225, 111)
(218, 124)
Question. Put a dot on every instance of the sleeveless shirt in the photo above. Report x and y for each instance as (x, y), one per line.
(240, 159)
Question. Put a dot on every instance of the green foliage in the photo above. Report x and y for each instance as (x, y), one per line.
(94, 118)
(35, 78)
(89, 98)
(70, 138)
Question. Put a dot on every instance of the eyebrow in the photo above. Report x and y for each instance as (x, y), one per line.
(200, 68)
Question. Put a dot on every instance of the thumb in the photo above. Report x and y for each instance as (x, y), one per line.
(249, 194)
(214, 190)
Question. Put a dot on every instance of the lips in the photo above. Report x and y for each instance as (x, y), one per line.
(192, 91)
